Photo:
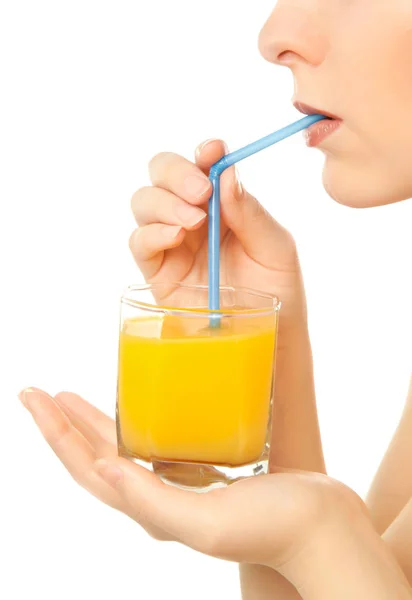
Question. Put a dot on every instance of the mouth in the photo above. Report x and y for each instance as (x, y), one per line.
(318, 132)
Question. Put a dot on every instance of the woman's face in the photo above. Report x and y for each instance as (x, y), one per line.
(352, 59)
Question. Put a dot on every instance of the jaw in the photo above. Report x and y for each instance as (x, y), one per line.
(357, 185)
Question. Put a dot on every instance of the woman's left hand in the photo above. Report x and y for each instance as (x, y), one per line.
(313, 530)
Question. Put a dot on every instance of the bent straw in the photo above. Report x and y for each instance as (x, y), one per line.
(214, 202)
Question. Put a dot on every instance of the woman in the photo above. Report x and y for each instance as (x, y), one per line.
(296, 532)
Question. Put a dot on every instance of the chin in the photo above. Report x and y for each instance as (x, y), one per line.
(360, 187)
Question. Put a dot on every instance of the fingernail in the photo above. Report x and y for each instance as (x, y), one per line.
(171, 231)
(201, 146)
(196, 186)
(189, 215)
(110, 473)
(24, 396)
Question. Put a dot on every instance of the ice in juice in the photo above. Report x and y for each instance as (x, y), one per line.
(191, 393)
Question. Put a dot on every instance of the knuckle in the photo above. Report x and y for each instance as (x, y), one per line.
(134, 240)
(159, 159)
(138, 195)
(57, 436)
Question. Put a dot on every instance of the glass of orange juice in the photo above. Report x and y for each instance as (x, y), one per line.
(195, 387)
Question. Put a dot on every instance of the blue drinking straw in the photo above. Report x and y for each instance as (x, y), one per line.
(214, 202)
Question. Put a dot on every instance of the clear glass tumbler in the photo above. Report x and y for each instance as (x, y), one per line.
(195, 387)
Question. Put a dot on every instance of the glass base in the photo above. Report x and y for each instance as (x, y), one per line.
(198, 477)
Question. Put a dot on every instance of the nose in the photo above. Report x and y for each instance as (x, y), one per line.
(295, 32)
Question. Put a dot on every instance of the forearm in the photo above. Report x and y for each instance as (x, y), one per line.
(296, 444)
(392, 486)
(349, 560)
(398, 537)
(296, 440)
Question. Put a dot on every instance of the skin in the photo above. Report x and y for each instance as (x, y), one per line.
(389, 499)
(312, 538)
(313, 532)
(352, 58)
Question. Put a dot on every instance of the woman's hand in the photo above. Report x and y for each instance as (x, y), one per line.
(170, 244)
(311, 529)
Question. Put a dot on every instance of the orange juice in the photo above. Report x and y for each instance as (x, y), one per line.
(191, 393)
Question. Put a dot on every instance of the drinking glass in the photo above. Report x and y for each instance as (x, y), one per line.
(195, 387)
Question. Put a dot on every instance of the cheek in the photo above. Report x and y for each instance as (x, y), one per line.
(377, 76)
(371, 60)
(373, 68)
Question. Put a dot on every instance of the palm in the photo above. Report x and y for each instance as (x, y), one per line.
(220, 523)
(80, 434)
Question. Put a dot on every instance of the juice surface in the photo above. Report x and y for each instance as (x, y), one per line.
(188, 392)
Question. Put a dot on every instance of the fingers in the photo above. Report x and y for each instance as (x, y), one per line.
(208, 153)
(173, 198)
(148, 242)
(181, 177)
(185, 516)
(262, 238)
(153, 205)
(94, 425)
(179, 188)
(69, 445)
(76, 453)
(148, 245)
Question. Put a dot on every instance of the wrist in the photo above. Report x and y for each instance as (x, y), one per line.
(346, 558)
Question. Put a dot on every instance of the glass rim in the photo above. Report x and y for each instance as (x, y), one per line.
(144, 287)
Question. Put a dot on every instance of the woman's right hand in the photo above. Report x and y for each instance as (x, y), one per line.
(256, 252)
(170, 244)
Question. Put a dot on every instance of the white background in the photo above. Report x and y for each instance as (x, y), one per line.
(90, 91)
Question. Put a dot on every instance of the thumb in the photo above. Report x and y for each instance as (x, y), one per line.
(260, 235)
(183, 515)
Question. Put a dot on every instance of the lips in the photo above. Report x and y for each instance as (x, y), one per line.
(309, 110)
(318, 132)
